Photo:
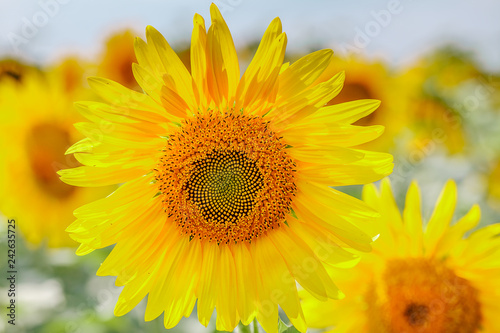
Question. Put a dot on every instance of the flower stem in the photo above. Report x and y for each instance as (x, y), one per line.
(243, 328)
(255, 326)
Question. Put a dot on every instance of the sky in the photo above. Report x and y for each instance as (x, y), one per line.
(399, 31)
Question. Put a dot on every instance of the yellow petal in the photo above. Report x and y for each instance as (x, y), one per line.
(172, 65)
(449, 241)
(137, 288)
(114, 113)
(199, 59)
(256, 94)
(413, 219)
(260, 76)
(223, 66)
(225, 277)
(128, 259)
(207, 287)
(183, 281)
(441, 216)
(331, 134)
(311, 155)
(275, 283)
(246, 283)
(115, 93)
(290, 109)
(302, 73)
(150, 83)
(389, 212)
(483, 243)
(344, 113)
(326, 248)
(160, 294)
(94, 177)
(333, 225)
(304, 265)
(341, 203)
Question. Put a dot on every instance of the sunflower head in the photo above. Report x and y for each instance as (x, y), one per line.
(368, 79)
(432, 119)
(225, 199)
(14, 70)
(38, 116)
(449, 67)
(69, 73)
(117, 59)
(424, 295)
(416, 279)
(233, 194)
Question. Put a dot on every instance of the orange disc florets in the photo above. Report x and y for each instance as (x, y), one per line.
(226, 178)
(424, 296)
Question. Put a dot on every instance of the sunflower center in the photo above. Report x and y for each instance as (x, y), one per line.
(224, 186)
(11, 69)
(424, 296)
(416, 314)
(46, 144)
(226, 178)
(354, 91)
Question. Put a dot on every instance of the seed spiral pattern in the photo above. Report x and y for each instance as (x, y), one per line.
(226, 178)
(224, 186)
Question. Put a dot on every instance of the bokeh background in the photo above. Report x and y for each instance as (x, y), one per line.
(435, 65)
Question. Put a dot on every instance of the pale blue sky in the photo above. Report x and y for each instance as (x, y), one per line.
(80, 26)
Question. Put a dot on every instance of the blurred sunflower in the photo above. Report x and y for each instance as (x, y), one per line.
(118, 58)
(37, 127)
(119, 55)
(419, 281)
(225, 192)
(372, 80)
(493, 182)
(69, 74)
(15, 70)
(434, 122)
(431, 119)
(448, 67)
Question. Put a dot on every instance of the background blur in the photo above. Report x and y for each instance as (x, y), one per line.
(419, 26)
(434, 64)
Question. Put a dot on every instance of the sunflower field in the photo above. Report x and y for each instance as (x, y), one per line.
(243, 166)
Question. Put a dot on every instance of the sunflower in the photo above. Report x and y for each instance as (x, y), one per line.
(367, 79)
(432, 119)
(493, 181)
(419, 281)
(225, 198)
(11, 69)
(117, 59)
(70, 72)
(449, 67)
(37, 127)
(434, 122)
